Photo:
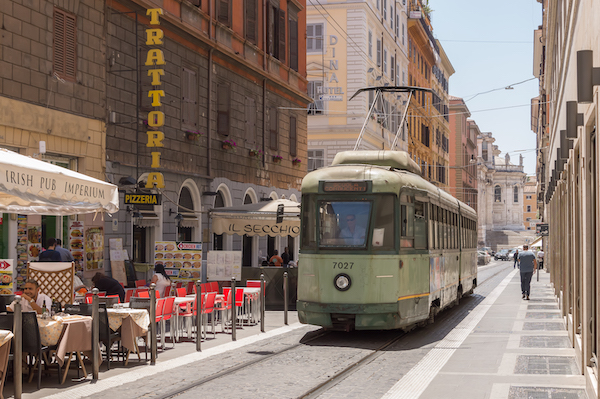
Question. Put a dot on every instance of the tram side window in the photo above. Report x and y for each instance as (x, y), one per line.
(407, 218)
(309, 227)
(420, 226)
(383, 226)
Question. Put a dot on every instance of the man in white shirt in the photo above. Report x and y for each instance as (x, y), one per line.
(32, 299)
(540, 256)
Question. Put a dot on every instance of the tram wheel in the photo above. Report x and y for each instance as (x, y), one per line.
(431, 318)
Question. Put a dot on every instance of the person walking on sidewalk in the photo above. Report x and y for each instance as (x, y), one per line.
(516, 258)
(528, 266)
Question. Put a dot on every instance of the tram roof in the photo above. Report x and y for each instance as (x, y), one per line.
(384, 177)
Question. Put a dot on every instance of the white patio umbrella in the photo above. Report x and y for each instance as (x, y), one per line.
(30, 186)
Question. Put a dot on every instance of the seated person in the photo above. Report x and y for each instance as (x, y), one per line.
(78, 283)
(161, 279)
(108, 285)
(50, 254)
(354, 235)
(276, 259)
(32, 299)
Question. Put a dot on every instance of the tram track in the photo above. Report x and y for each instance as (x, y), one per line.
(332, 380)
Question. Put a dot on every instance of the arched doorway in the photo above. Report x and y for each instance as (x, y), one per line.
(185, 228)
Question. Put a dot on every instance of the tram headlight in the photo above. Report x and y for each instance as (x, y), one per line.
(342, 282)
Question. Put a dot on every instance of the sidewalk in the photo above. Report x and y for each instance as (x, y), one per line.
(506, 348)
(274, 324)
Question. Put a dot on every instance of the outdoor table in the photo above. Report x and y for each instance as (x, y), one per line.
(252, 294)
(133, 324)
(71, 334)
(5, 338)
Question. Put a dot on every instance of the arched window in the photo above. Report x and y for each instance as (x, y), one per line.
(497, 194)
(516, 194)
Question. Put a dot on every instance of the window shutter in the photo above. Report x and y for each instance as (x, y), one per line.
(281, 31)
(309, 37)
(293, 137)
(223, 109)
(189, 100)
(378, 53)
(250, 121)
(251, 20)
(65, 45)
(293, 44)
(273, 128)
(319, 36)
(223, 12)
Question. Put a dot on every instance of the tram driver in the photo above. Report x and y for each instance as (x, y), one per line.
(353, 234)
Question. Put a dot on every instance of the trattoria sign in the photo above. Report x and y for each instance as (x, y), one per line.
(156, 118)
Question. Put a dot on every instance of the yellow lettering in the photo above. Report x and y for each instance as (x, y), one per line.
(156, 74)
(127, 198)
(154, 36)
(155, 139)
(155, 57)
(156, 95)
(157, 179)
(156, 118)
(154, 13)
(155, 160)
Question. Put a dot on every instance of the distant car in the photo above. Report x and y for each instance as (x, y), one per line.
(502, 255)
(483, 258)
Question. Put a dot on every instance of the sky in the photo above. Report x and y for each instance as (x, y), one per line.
(490, 46)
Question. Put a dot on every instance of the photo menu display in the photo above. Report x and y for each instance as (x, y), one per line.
(182, 260)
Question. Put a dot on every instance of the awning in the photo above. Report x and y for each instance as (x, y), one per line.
(258, 219)
(30, 186)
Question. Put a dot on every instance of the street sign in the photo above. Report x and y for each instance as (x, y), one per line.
(330, 98)
(541, 229)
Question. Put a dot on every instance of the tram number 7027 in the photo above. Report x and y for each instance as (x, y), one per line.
(343, 265)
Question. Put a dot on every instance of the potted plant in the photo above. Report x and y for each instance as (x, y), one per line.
(296, 161)
(229, 145)
(277, 158)
(255, 153)
(192, 134)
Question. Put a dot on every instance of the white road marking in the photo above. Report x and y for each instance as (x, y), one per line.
(143, 372)
(414, 383)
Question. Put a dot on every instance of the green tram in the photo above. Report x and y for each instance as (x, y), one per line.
(381, 248)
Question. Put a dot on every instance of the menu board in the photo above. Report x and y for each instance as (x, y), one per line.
(94, 248)
(223, 265)
(6, 276)
(76, 243)
(34, 242)
(182, 260)
(20, 272)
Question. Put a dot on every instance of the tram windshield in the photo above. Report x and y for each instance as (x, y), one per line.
(344, 223)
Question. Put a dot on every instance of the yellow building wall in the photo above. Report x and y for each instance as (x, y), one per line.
(24, 125)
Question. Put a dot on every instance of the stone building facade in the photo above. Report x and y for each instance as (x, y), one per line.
(52, 91)
(146, 95)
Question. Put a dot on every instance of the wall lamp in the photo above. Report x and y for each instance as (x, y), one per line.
(134, 212)
(178, 217)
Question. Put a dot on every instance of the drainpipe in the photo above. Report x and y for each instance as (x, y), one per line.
(264, 121)
(210, 19)
(209, 114)
(265, 40)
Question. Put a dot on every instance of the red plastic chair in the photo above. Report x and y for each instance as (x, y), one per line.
(179, 284)
(190, 287)
(138, 291)
(143, 294)
(208, 308)
(169, 303)
(102, 294)
(129, 294)
(224, 306)
(166, 293)
(115, 296)
(140, 283)
(214, 286)
(160, 307)
(180, 292)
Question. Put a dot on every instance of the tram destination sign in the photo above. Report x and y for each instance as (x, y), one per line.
(348, 186)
